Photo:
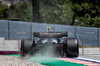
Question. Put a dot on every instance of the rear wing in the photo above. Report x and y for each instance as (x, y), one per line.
(50, 34)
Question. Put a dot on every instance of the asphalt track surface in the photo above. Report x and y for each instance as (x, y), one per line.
(89, 60)
(82, 60)
(94, 57)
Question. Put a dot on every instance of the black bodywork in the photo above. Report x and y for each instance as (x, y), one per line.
(64, 47)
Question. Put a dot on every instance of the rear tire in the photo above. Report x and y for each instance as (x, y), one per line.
(72, 49)
(26, 45)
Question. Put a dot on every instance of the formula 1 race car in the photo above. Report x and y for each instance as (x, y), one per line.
(63, 46)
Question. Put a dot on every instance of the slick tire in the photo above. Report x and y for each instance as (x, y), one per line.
(72, 49)
(26, 45)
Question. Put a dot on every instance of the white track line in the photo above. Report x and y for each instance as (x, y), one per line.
(89, 59)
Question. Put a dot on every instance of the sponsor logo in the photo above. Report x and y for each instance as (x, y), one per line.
(52, 33)
(41, 33)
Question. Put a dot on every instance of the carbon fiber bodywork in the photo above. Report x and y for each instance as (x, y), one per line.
(58, 41)
(50, 34)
